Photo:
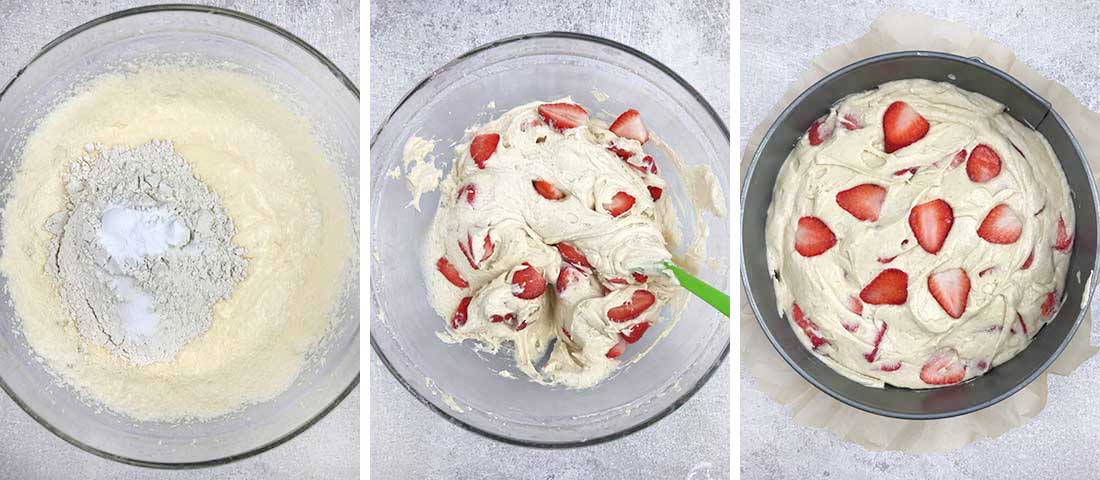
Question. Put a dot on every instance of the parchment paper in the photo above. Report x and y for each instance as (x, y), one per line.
(895, 31)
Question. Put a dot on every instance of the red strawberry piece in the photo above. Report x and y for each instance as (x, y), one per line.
(488, 246)
(620, 203)
(890, 287)
(527, 283)
(566, 333)
(819, 132)
(885, 260)
(566, 275)
(1064, 240)
(638, 277)
(604, 290)
(959, 158)
(1027, 263)
(470, 190)
(648, 163)
(808, 327)
(510, 320)
(931, 222)
(629, 125)
(983, 365)
(518, 328)
(850, 122)
(618, 281)
(573, 256)
(496, 318)
(450, 273)
(633, 334)
(951, 289)
(902, 126)
(813, 237)
(855, 305)
(617, 350)
(482, 147)
(983, 165)
(639, 301)
(862, 201)
(547, 190)
(943, 368)
(459, 318)
(563, 116)
(890, 367)
(655, 192)
(1001, 226)
(1023, 325)
(986, 271)
(622, 153)
(878, 341)
(1049, 305)
(468, 250)
(906, 171)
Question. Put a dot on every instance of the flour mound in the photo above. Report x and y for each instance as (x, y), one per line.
(142, 252)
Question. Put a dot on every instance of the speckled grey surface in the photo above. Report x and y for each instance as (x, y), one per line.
(329, 450)
(408, 41)
(1060, 40)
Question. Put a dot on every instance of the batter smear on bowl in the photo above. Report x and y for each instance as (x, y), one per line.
(549, 236)
(919, 235)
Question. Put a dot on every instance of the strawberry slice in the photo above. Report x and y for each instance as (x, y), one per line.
(618, 281)
(620, 203)
(959, 158)
(862, 201)
(470, 190)
(819, 132)
(573, 256)
(622, 153)
(930, 223)
(648, 163)
(1048, 305)
(482, 147)
(813, 237)
(638, 277)
(885, 260)
(617, 350)
(878, 341)
(890, 287)
(547, 190)
(629, 125)
(1023, 325)
(890, 367)
(639, 301)
(983, 165)
(1027, 263)
(808, 327)
(850, 122)
(450, 273)
(527, 283)
(468, 250)
(902, 126)
(633, 334)
(855, 305)
(943, 368)
(563, 116)
(566, 276)
(459, 318)
(655, 193)
(1064, 240)
(906, 171)
(951, 289)
(1001, 226)
(488, 246)
(986, 271)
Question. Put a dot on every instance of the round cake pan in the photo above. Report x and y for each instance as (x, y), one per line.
(1023, 104)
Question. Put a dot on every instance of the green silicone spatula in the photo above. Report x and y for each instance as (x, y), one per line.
(713, 296)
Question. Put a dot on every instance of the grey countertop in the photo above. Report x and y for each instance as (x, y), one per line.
(328, 450)
(408, 41)
(1060, 40)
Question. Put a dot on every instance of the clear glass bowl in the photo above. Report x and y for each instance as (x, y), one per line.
(463, 385)
(318, 90)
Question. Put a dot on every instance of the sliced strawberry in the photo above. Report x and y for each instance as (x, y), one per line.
(639, 301)
(813, 237)
(819, 131)
(648, 163)
(470, 190)
(482, 147)
(527, 283)
(488, 246)
(1049, 305)
(566, 333)
(850, 122)
(617, 350)
(902, 126)
(808, 327)
(983, 165)
(629, 125)
(566, 276)
(1064, 240)
(959, 158)
(1001, 226)
(622, 153)
(468, 250)
(638, 277)
(862, 201)
(986, 271)
(510, 320)
(983, 365)
(885, 260)
(906, 171)
(620, 203)
(563, 116)
(931, 222)
(855, 305)
(1027, 263)
(951, 289)
(633, 334)
(618, 281)
(878, 341)
(890, 367)
(459, 318)
(573, 256)
(547, 190)
(655, 192)
(890, 287)
(943, 368)
(450, 273)
(1023, 325)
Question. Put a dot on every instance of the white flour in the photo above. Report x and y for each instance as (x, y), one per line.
(142, 251)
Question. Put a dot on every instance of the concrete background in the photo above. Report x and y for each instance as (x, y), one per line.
(1060, 40)
(329, 450)
(411, 39)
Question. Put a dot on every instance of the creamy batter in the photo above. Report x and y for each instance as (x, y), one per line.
(932, 263)
(551, 234)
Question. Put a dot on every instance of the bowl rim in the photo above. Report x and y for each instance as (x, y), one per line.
(812, 89)
(688, 392)
(340, 76)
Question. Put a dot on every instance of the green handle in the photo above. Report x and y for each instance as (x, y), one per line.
(713, 296)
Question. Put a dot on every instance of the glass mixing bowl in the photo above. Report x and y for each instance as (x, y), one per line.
(314, 87)
(464, 385)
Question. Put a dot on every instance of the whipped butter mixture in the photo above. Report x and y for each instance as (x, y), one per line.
(550, 236)
(919, 235)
